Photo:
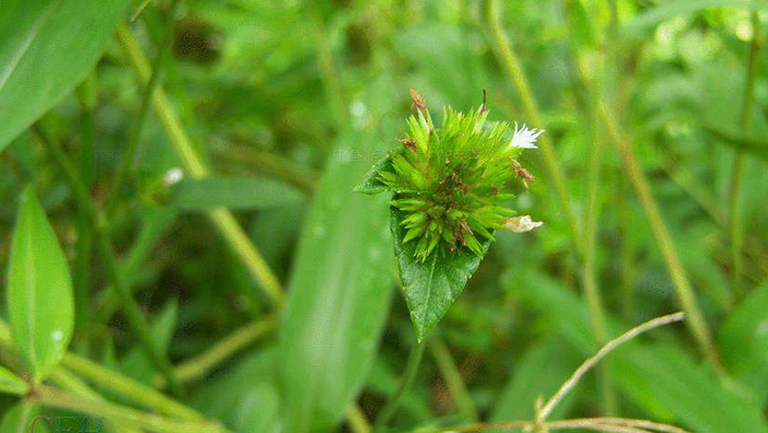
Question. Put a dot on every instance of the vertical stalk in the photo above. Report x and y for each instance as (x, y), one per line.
(735, 217)
(514, 70)
(409, 374)
(141, 115)
(129, 306)
(680, 280)
(194, 165)
(81, 279)
(453, 379)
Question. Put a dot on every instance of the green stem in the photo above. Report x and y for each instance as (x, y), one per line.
(141, 116)
(328, 70)
(735, 203)
(81, 280)
(199, 367)
(195, 167)
(54, 398)
(129, 388)
(278, 166)
(514, 70)
(453, 379)
(680, 279)
(109, 258)
(409, 374)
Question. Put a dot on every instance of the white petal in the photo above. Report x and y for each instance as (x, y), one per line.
(525, 138)
(522, 224)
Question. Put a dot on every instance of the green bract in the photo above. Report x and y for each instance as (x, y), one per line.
(449, 182)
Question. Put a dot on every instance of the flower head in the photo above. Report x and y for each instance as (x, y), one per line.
(525, 138)
(450, 182)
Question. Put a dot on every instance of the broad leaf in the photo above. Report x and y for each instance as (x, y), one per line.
(11, 384)
(231, 193)
(338, 299)
(431, 286)
(744, 342)
(46, 48)
(20, 417)
(40, 304)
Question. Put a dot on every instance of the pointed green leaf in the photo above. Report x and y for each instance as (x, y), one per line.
(430, 286)
(371, 183)
(40, 305)
(46, 48)
(11, 384)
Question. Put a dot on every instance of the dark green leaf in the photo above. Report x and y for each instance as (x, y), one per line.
(46, 48)
(430, 286)
(136, 363)
(371, 184)
(40, 304)
(338, 298)
(231, 193)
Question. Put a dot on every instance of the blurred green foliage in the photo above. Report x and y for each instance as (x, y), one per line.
(288, 103)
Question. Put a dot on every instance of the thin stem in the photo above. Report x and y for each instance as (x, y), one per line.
(735, 203)
(626, 422)
(129, 388)
(54, 398)
(195, 167)
(81, 278)
(453, 379)
(357, 421)
(328, 70)
(278, 166)
(109, 258)
(199, 367)
(141, 116)
(514, 70)
(409, 374)
(605, 350)
(680, 280)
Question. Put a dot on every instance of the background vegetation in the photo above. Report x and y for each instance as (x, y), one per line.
(196, 161)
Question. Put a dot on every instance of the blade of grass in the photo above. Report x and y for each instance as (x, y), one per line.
(81, 276)
(141, 115)
(453, 379)
(195, 167)
(735, 216)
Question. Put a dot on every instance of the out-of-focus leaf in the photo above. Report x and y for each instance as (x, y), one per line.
(540, 372)
(384, 381)
(245, 398)
(648, 20)
(231, 193)
(136, 363)
(11, 384)
(430, 286)
(338, 299)
(18, 419)
(660, 378)
(744, 342)
(46, 48)
(39, 295)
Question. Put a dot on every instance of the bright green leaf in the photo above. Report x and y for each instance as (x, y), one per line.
(20, 417)
(46, 48)
(11, 384)
(40, 304)
(430, 286)
(371, 184)
(338, 299)
(231, 193)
